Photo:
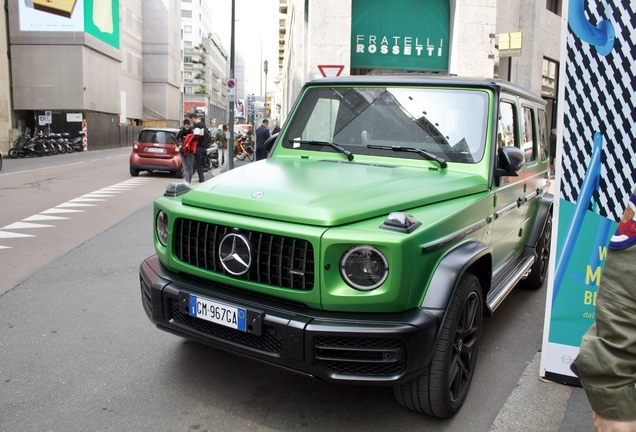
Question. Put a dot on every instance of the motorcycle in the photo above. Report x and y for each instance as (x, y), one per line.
(211, 157)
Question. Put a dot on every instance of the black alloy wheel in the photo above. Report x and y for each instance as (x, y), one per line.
(441, 390)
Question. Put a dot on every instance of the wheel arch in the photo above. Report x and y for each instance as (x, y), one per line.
(545, 208)
(473, 257)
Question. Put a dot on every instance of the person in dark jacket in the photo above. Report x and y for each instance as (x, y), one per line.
(198, 128)
(262, 133)
(187, 160)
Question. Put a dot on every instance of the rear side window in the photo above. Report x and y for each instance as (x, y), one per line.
(528, 143)
(158, 137)
(543, 135)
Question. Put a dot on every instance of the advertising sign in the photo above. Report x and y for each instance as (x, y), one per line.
(239, 108)
(595, 174)
(99, 18)
(404, 35)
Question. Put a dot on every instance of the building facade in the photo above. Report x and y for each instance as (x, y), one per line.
(444, 36)
(204, 64)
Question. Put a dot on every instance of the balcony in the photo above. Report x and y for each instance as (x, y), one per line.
(282, 7)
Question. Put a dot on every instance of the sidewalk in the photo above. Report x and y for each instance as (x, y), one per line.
(539, 405)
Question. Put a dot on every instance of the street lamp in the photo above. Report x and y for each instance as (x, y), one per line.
(230, 141)
(265, 70)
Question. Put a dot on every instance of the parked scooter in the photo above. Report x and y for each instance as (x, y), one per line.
(77, 143)
(211, 157)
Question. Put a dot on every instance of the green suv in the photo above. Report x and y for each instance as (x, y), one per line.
(392, 214)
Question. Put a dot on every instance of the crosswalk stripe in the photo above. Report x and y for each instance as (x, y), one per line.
(21, 225)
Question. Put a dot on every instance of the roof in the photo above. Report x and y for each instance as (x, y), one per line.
(427, 79)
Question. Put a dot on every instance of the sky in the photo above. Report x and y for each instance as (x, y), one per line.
(256, 37)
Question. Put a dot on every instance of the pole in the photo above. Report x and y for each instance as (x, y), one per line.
(265, 70)
(230, 141)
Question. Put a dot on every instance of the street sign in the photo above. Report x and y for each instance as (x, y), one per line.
(329, 71)
(231, 87)
(49, 117)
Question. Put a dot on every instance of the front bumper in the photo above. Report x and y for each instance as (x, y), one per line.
(357, 348)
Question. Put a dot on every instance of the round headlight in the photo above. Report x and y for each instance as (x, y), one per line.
(364, 267)
(162, 228)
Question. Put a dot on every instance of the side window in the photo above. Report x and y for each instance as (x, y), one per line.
(543, 135)
(506, 128)
(171, 138)
(528, 144)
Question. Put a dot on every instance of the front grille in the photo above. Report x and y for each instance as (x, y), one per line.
(280, 261)
(361, 356)
(270, 340)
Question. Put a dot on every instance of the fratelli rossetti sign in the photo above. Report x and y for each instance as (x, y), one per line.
(400, 34)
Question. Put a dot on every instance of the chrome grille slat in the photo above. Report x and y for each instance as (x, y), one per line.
(279, 261)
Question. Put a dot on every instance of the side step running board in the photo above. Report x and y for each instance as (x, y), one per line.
(501, 288)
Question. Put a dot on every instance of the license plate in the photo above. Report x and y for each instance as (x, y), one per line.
(155, 150)
(219, 313)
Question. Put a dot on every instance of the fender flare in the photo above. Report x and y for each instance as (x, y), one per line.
(545, 207)
(450, 269)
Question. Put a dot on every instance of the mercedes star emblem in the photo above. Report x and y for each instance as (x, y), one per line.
(236, 254)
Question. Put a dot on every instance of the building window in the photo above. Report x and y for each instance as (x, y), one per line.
(186, 1)
(187, 44)
(187, 29)
(187, 59)
(553, 6)
(549, 78)
(188, 90)
(186, 13)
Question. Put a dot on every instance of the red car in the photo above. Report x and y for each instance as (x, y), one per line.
(156, 150)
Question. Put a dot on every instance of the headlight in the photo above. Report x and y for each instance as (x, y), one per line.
(162, 228)
(364, 267)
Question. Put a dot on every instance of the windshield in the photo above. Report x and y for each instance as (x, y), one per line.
(446, 122)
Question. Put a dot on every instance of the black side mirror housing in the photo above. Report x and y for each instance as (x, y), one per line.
(510, 162)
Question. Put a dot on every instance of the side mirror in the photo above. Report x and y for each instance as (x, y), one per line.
(269, 144)
(510, 161)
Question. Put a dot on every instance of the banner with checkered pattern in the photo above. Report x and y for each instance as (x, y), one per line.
(597, 172)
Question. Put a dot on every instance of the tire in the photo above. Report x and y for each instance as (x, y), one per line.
(13, 153)
(240, 156)
(539, 269)
(206, 164)
(179, 173)
(441, 390)
(134, 172)
(250, 155)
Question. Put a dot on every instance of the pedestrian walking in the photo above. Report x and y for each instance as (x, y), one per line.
(262, 133)
(187, 160)
(198, 128)
(606, 363)
(221, 140)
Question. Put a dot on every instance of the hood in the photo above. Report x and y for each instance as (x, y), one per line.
(327, 192)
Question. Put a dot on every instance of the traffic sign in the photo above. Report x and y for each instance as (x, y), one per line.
(231, 87)
(329, 71)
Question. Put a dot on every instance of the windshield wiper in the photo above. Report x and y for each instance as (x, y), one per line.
(442, 163)
(334, 146)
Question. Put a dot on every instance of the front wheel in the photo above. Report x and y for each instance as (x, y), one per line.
(250, 155)
(240, 156)
(13, 153)
(441, 390)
